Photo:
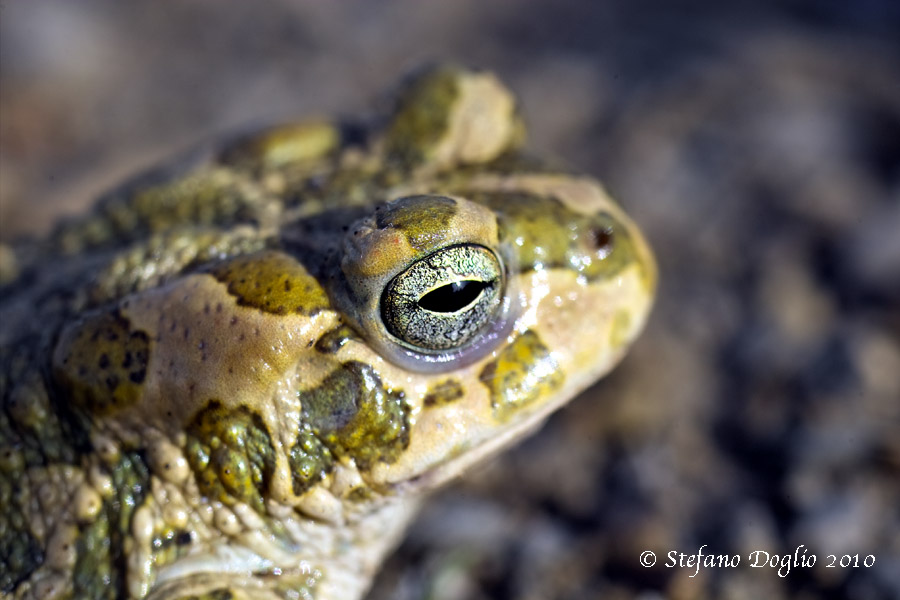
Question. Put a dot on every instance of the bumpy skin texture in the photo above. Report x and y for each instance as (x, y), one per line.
(201, 397)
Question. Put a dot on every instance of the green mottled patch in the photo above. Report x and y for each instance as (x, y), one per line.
(272, 282)
(168, 253)
(231, 452)
(353, 186)
(102, 362)
(422, 117)
(546, 233)
(162, 201)
(525, 371)
(30, 422)
(284, 145)
(424, 220)
(103, 544)
(334, 339)
(310, 460)
(31, 437)
(20, 552)
(444, 392)
(354, 415)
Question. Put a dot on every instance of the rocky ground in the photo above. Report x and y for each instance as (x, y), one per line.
(758, 144)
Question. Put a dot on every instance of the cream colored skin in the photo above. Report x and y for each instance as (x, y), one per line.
(329, 540)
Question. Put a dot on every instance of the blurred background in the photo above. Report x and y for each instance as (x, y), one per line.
(756, 142)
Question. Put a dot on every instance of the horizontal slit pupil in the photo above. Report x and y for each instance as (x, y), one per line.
(452, 297)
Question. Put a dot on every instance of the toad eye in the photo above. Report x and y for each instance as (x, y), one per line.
(444, 300)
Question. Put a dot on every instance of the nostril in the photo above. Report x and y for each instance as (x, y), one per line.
(602, 240)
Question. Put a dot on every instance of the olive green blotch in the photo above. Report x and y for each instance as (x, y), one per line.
(546, 233)
(231, 452)
(102, 362)
(524, 372)
(272, 282)
(424, 220)
(354, 415)
(444, 392)
(310, 460)
(283, 145)
(103, 544)
(422, 116)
